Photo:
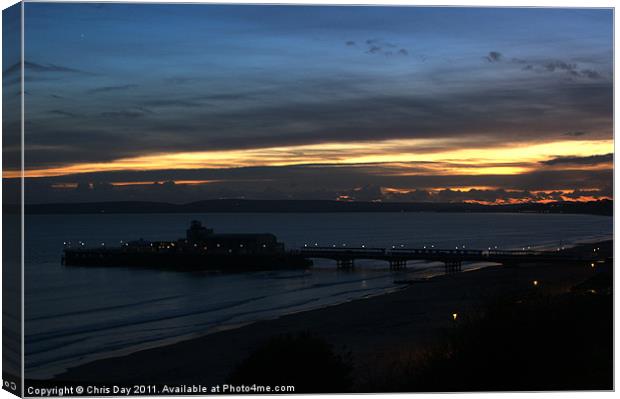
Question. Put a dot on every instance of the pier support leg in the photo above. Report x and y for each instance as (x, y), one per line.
(346, 264)
(452, 266)
(398, 264)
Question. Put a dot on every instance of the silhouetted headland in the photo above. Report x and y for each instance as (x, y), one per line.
(600, 207)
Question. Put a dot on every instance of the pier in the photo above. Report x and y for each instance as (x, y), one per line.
(451, 258)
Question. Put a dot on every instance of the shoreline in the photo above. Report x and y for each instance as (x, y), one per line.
(119, 353)
(374, 329)
(417, 276)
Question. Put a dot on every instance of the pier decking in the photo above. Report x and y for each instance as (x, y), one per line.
(452, 258)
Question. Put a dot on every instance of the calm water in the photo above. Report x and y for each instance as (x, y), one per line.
(74, 315)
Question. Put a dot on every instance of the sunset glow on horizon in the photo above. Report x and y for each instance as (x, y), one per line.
(475, 161)
(298, 102)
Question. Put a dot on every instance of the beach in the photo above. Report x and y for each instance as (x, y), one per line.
(376, 330)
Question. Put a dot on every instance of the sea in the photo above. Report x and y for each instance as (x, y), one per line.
(74, 315)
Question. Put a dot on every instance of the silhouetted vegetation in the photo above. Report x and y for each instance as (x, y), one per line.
(535, 343)
(303, 360)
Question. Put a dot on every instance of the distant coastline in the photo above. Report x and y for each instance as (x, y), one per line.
(601, 207)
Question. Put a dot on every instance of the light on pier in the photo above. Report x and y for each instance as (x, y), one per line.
(455, 316)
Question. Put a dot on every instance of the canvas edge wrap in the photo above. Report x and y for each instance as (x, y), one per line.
(12, 205)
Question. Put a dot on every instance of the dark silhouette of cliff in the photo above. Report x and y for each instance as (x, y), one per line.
(601, 207)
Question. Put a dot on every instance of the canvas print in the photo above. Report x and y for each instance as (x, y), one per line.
(282, 199)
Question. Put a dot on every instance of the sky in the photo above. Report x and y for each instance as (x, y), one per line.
(181, 103)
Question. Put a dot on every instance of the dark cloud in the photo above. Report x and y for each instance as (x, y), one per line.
(569, 69)
(136, 112)
(367, 183)
(572, 70)
(174, 103)
(494, 195)
(63, 113)
(226, 96)
(45, 68)
(271, 119)
(122, 114)
(583, 193)
(179, 80)
(106, 89)
(368, 192)
(493, 56)
(299, 182)
(72, 145)
(575, 134)
(560, 65)
(201, 100)
(590, 74)
(590, 160)
(411, 195)
(374, 49)
(382, 47)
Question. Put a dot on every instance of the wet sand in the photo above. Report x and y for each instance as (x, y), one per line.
(375, 330)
